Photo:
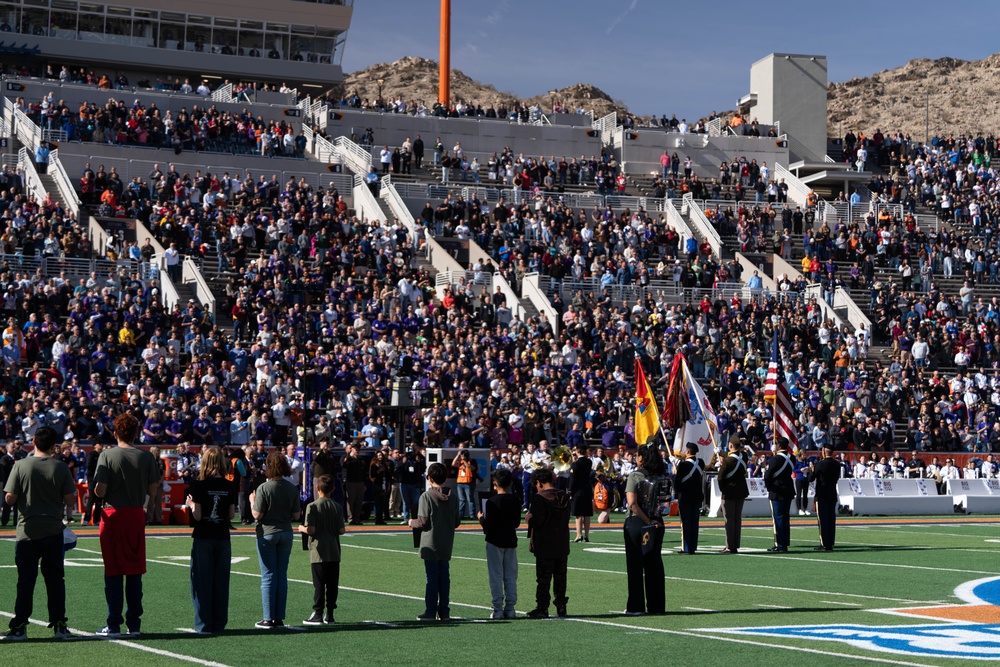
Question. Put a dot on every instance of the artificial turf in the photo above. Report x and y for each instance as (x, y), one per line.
(877, 566)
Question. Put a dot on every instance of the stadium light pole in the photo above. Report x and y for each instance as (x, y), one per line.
(444, 64)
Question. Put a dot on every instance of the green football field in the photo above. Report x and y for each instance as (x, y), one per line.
(717, 605)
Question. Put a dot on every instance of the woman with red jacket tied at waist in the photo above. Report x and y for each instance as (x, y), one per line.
(548, 535)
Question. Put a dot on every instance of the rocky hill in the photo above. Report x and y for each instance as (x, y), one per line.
(417, 79)
(960, 94)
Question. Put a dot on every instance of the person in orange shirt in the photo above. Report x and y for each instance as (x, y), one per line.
(448, 301)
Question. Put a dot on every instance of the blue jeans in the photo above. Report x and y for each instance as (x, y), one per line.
(502, 567)
(273, 551)
(411, 496)
(116, 598)
(438, 588)
(210, 562)
(466, 505)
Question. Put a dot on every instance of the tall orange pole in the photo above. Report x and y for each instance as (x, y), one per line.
(444, 72)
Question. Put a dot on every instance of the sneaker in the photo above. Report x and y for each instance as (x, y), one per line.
(427, 617)
(15, 634)
(315, 619)
(264, 624)
(135, 634)
(109, 632)
(60, 631)
(496, 616)
(561, 609)
(633, 613)
(444, 618)
(538, 613)
(277, 624)
(328, 619)
(802, 513)
(510, 614)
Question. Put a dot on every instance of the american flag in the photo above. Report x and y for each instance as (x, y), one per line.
(776, 392)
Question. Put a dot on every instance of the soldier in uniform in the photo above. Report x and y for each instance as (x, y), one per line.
(688, 482)
(733, 484)
(780, 491)
(826, 474)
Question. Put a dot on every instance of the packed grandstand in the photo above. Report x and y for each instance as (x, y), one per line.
(259, 275)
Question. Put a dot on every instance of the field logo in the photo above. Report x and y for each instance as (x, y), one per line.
(969, 631)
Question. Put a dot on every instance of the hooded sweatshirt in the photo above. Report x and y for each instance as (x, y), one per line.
(437, 518)
(548, 524)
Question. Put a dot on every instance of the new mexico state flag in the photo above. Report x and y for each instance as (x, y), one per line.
(647, 419)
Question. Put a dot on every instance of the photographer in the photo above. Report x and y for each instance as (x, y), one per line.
(410, 473)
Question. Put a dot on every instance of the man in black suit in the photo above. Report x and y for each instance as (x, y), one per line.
(780, 491)
(688, 482)
(826, 474)
(733, 484)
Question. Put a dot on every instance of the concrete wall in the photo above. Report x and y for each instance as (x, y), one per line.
(478, 137)
(791, 89)
(33, 90)
(642, 155)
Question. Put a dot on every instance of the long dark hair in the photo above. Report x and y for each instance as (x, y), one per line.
(652, 461)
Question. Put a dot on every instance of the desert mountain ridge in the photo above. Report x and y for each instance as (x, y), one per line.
(958, 94)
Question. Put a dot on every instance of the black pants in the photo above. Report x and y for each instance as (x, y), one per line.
(8, 509)
(690, 516)
(826, 513)
(27, 554)
(355, 501)
(550, 571)
(326, 583)
(381, 499)
(802, 495)
(646, 588)
(732, 511)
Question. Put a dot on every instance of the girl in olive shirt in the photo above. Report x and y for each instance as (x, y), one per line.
(275, 504)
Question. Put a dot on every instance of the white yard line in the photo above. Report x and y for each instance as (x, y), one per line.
(865, 564)
(625, 626)
(130, 644)
(707, 611)
(773, 606)
(698, 581)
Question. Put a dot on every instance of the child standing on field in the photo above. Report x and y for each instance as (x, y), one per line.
(324, 524)
(500, 518)
(437, 519)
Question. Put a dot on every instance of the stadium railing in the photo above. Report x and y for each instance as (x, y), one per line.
(702, 225)
(32, 183)
(67, 193)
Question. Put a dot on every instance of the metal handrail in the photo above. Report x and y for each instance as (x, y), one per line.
(67, 193)
(32, 183)
(365, 203)
(701, 223)
(356, 158)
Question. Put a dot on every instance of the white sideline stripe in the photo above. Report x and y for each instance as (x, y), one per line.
(747, 642)
(697, 581)
(846, 604)
(773, 606)
(593, 622)
(851, 562)
(709, 611)
(138, 647)
(383, 623)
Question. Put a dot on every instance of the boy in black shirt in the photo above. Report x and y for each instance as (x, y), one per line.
(500, 519)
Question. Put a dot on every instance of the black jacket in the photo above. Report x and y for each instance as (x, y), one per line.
(778, 476)
(689, 483)
(733, 478)
(548, 524)
(826, 474)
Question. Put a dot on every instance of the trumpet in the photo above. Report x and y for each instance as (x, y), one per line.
(562, 458)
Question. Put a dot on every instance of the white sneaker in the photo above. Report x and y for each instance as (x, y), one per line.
(108, 632)
(801, 513)
(808, 513)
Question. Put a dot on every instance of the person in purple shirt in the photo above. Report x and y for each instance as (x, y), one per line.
(202, 429)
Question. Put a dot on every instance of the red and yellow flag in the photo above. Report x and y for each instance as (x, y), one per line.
(647, 419)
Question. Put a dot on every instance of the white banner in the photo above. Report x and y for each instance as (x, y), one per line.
(702, 429)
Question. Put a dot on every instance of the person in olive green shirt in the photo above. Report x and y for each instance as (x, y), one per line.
(41, 486)
(324, 525)
(275, 504)
(437, 519)
(125, 476)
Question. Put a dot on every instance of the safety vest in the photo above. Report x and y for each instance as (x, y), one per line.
(465, 473)
(601, 497)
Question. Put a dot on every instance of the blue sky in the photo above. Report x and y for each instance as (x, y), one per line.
(662, 56)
